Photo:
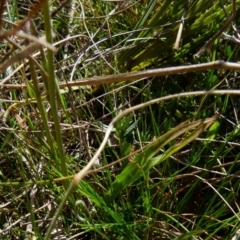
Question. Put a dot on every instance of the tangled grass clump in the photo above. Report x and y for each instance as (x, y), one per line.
(119, 120)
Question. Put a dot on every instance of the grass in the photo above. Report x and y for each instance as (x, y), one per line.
(142, 159)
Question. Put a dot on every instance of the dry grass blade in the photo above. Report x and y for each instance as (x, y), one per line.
(32, 13)
(137, 75)
(27, 51)
(180, 30)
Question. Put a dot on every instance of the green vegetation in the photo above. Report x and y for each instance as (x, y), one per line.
(92, 149)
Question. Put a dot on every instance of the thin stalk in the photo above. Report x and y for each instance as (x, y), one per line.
(53, 88)
(98, 80)
(41, 107)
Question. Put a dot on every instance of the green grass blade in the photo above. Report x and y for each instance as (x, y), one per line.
(145, 161)
(53, 89)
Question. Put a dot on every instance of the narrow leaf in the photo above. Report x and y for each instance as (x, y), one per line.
(144, 161)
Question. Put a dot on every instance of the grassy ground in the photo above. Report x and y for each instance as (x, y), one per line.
(148, 158)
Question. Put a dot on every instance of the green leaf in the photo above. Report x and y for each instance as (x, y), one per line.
(212, 131)
(123, 125)
(228, 51)
(131, 128)
(144, 161)
(189, 235)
